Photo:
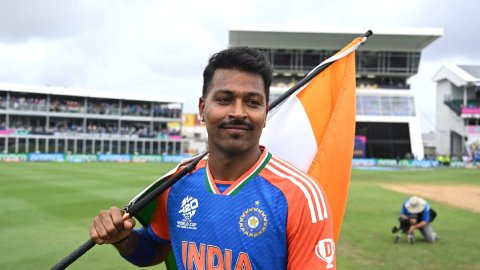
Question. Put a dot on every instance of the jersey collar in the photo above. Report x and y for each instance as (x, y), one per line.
(242, 180)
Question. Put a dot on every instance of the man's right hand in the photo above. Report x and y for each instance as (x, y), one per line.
(111, 226)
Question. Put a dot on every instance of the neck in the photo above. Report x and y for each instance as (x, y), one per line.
(229, 167)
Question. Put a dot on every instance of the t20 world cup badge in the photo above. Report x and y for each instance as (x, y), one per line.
(325, 250)
(188, 209)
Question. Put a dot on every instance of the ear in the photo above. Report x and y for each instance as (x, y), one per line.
(201, 106)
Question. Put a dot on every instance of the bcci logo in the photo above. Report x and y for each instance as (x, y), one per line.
(188, 209)
(253, 221)
(325, 250)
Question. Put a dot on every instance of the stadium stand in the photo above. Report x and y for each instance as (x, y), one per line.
(63, 120)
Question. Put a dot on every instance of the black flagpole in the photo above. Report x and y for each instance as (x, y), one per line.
(133, 209)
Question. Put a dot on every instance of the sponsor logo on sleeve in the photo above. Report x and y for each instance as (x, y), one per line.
(325, 250)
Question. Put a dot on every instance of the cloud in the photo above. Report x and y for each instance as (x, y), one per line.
(459, 19)
(28, 19)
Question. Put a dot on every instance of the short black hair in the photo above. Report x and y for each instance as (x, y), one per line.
(241, 58)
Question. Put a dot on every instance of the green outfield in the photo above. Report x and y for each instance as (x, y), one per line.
(47, 208)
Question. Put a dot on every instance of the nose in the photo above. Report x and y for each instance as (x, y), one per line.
(238, 110)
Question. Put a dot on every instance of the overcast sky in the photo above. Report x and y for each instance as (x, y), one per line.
(161, 47)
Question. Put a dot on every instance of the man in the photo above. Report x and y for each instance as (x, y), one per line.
(241, 207)
(416, 214)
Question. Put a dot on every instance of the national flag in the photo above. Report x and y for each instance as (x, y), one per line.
(314, 128)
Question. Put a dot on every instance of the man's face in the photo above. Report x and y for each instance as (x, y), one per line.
(235, 111)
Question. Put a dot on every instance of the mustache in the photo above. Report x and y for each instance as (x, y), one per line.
(236, 122)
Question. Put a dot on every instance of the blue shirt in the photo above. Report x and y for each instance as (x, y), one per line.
(422, 216)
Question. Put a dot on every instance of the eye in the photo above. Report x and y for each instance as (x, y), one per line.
(222, 100)
(253, 103)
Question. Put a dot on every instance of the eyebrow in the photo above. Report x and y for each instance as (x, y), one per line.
(230, 92)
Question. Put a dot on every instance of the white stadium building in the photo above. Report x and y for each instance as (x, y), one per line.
(458, 111)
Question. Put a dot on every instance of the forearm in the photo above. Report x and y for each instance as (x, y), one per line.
(420, 225)
(128, 245)
(141, 250)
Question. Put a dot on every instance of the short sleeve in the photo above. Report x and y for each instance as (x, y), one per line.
(426, 214)
(404, 210)
(310, 232)
(158, 226)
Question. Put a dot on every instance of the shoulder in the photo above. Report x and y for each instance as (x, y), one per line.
(279, 171)
(184, 163)
(300, 189)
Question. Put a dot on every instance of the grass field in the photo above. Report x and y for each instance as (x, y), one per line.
(47, 208)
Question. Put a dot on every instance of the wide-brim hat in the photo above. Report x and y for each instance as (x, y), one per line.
(415, 205)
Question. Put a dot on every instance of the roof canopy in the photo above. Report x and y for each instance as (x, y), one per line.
(76, 92)
(395, 39)
(459, 75)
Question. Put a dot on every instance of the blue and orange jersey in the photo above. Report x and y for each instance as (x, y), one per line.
(273, 217)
